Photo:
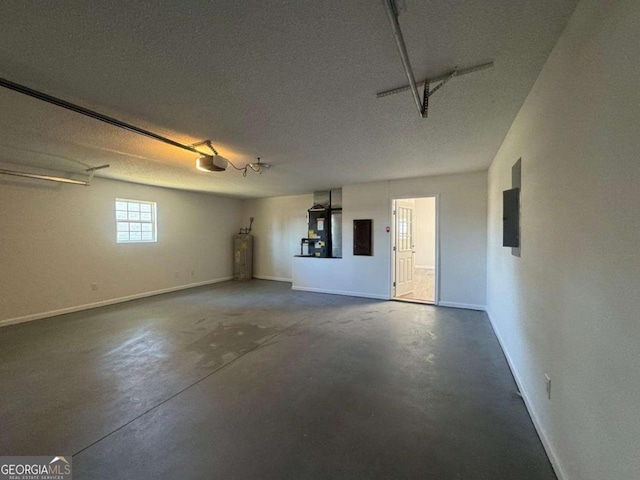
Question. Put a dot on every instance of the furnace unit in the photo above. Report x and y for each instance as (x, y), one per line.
(324, 238)
(319, 232)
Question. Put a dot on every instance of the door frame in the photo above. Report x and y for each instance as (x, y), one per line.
(392, 254)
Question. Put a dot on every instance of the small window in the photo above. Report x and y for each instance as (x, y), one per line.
(135, 221)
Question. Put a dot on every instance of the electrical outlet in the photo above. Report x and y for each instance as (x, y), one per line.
(548, 384)
(176, 275)
(193, 273)
(94, 287)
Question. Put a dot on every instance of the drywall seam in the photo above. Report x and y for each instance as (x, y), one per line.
(557, 467)
(275, 279)
(340, 292)
(88, 306)
(468, 306)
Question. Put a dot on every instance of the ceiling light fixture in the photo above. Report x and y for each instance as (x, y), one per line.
(54, 178)
(205, 162)
(256, 167)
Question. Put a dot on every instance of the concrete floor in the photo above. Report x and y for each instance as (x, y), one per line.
(253, 380)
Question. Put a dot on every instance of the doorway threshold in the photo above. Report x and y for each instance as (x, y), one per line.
(413, 300)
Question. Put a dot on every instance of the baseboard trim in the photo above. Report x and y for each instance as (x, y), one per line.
(467, 306)
(275, 279)
(103, 303)
(341, 292)
(544, 438)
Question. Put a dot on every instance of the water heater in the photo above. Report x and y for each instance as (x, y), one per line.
(242, 256)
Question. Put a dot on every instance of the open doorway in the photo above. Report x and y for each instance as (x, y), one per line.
(415, 250)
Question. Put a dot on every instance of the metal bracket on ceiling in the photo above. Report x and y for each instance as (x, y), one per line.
(393, 8)
(208, 144)
(92, 171)
(440, 78)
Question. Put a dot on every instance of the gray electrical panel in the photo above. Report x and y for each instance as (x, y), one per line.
(242, 256)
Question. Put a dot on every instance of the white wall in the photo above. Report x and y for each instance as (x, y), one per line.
(463, 240)
(58, 239)
(425, 232)
(280, 223)
(569, 307)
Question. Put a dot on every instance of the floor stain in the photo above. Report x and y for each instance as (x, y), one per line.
(227, 342)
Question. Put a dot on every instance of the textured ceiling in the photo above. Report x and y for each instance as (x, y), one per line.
(293, 82)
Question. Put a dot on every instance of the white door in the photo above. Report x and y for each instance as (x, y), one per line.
(404, 247)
